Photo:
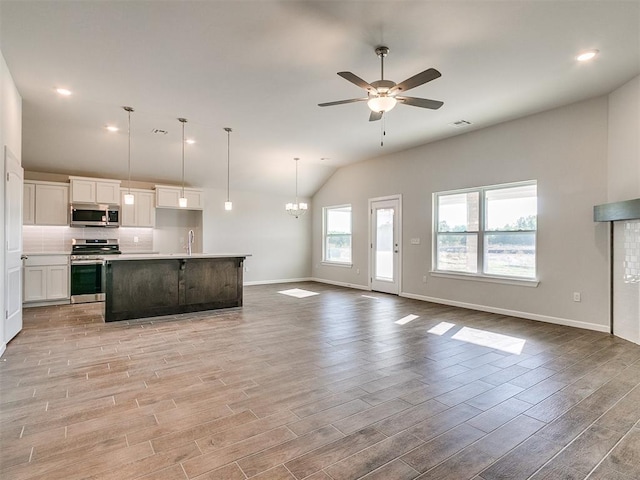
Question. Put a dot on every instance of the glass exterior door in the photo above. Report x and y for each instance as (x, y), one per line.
(385, 246)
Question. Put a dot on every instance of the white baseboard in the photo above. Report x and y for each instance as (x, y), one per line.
(3, 347)
(285, 280)
(341, 284)
(46, 304)
(512, 313)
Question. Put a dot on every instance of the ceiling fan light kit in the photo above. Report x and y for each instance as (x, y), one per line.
(383, 95)
(382, 103)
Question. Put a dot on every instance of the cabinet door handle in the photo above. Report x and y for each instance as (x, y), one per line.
(23, 257)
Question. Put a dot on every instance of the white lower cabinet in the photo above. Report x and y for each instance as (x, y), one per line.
(46, 278)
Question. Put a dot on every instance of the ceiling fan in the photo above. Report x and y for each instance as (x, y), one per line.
(383, 95)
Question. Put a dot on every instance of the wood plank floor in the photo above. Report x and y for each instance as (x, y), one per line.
(323, 387)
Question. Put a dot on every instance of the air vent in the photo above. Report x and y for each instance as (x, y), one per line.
(460, 123)
(159, 131)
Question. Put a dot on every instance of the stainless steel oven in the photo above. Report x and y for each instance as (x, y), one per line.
(87, 268)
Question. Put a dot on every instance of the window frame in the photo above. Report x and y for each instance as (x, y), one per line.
(481, 235)
(326, 236)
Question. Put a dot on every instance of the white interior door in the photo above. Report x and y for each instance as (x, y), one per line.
(385, 253)
(13, 245)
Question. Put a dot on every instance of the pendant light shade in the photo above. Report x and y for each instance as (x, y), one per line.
(182, 201)
(298, 208)
(228, 205)
(128, 197)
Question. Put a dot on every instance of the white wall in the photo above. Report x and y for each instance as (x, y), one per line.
(279, 244)
(10, 135)
(563, 149)
(624, 184)
(170, 234)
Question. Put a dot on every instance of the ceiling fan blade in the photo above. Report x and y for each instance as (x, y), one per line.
(375, 116)
(420, 102)
(416, 80)
(356, 80)
(340, 102)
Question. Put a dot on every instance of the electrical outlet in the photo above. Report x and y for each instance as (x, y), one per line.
(135, 239)
(424, 279)
(577, 297)
(415, 241)
(357, 271)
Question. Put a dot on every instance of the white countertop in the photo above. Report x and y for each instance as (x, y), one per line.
(164, 256)
(45, 253)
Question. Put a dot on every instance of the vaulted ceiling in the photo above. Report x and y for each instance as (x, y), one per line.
(261, 67)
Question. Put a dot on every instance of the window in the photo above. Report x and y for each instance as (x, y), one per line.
(487, 231)
(337, 234)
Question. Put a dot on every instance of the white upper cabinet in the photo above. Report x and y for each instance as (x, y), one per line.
(29, 204)
(167, 197)
(142, 213)
(95, 190)
(45, 203)
(83, 191)
(108, 192)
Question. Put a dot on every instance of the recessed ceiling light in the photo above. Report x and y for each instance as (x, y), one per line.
(111, 128)
(63, 91)
(587, 55)
(190, 141)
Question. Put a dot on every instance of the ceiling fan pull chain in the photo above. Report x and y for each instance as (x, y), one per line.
(383, 132)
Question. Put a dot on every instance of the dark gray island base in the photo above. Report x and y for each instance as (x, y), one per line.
(140, 286)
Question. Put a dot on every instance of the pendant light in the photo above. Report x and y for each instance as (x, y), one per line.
(228, 205)
(182, 201)
(128, 197)
(298, 208)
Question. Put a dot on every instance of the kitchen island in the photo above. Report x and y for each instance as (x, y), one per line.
(141, 285)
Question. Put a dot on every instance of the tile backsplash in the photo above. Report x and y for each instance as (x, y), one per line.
(43, 239)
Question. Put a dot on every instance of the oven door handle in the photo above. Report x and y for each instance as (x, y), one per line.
(87, 262)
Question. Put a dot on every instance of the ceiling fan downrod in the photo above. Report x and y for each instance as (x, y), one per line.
(382, 52)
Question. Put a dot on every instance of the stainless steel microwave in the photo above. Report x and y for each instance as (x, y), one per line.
(92, 215)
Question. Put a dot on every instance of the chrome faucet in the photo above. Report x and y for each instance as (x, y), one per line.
(190, 242)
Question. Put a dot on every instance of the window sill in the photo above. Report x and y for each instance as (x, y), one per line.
(336, 264)
(523, 282)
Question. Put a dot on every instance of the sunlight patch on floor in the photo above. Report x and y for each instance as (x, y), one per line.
(441, 328)
(371, 297)
(484, 338)
(298, 293)
(407, 319)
